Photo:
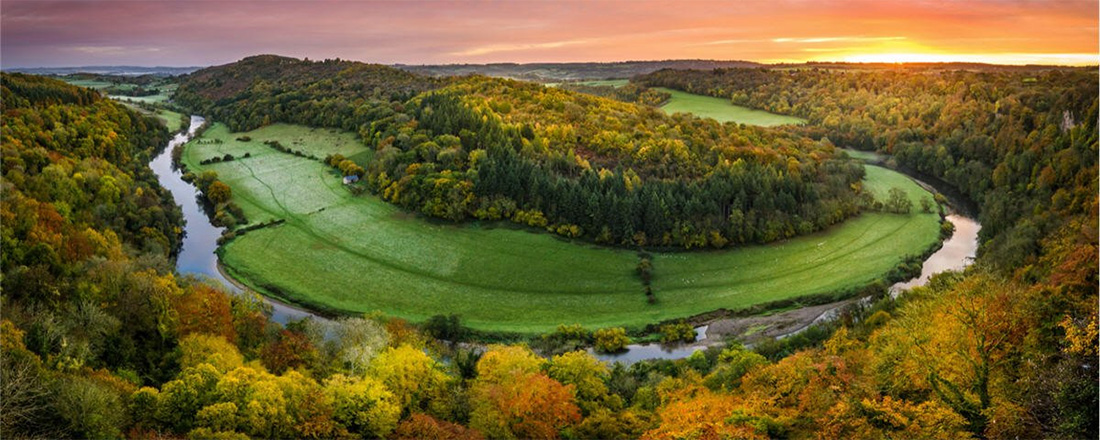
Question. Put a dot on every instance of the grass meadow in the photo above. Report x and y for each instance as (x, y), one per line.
(352, 254)
(722, 110)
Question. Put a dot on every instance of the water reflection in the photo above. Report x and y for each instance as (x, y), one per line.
(200, 238)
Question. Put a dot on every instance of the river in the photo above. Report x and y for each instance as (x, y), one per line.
(200, 238)
(956, 253)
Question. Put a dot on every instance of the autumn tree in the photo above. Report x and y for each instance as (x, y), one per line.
(611, 340)
(363, 405)
(218, 192)
(512, 398)
(423, 426)
(201, 308)
(198, 348)
(290, 349)
(585, 373)
(414, 378)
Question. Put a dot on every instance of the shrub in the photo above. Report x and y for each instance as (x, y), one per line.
(564, 339)
(677, 332)
(645, 270)
(611, 340)
(445, 327)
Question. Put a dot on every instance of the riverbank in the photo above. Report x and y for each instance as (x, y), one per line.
(784, 319)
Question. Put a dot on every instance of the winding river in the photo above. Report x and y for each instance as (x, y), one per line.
(200, 238)
(197, 257)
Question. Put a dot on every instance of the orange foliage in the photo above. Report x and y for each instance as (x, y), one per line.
(698, 413)
(524, 405)
(204, 309)
(423, 426)
(290, 350)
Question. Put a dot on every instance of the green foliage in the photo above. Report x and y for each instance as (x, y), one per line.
(564, 339)
(926, 205)
(898, 202)
(677, 332)
(585, 373)
(330, 233)
(621, 92)
(721, 109)
(585, 166)
(260, 90)
(446, 327)
(979, 130)
(90, 409)
(733, 363)
(611, 340)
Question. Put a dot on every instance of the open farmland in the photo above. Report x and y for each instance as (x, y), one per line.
(607, 82)
(354, 254)
(722, 110)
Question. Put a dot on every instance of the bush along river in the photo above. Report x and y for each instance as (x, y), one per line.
(197, 257)
(200, 237)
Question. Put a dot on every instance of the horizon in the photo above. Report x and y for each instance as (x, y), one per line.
(899, 63)
(56, 34)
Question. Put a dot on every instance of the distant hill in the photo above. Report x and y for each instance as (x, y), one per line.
(108, 70)
(572, 71)
(301, 91)
(280, 72)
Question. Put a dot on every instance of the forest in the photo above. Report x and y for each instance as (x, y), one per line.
(1005, 139)
(100, 338)
(491, 149)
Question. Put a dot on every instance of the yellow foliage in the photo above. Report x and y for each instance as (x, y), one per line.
(198, 348)
(411, 375)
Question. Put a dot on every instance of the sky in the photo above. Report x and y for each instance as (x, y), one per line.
(42, 33)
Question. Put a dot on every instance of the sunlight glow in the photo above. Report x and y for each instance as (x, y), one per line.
(1074, 59)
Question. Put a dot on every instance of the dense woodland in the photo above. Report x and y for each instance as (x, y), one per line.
(1005, 138)
(630, 92)
(576, 164)
(100, 339)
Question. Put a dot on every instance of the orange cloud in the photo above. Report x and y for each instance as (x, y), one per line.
(203, 33)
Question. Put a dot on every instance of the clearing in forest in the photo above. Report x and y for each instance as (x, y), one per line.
(722, 110)
(356, 253)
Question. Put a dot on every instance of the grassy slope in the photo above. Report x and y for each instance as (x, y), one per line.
(722, 110)
(607, 82)
(170, 118)
(865, 155)
(358, 254)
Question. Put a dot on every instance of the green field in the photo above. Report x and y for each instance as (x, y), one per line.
(606, 82)
(868, 156)
(89, 83)
(347, 253)
(722, 110)
(171, 119)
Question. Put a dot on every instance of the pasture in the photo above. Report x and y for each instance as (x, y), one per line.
(353, 254)
(606, 82)
(722, 110)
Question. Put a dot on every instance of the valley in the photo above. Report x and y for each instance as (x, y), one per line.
(356, 253)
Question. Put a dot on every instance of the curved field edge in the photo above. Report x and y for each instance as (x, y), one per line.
(722, 110)
(342, 253)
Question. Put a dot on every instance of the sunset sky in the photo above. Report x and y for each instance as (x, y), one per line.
(199, 33)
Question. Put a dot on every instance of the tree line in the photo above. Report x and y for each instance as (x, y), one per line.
(578, 165)
(100, 339)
